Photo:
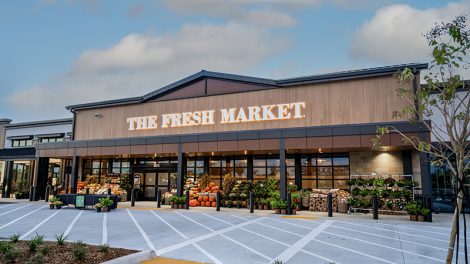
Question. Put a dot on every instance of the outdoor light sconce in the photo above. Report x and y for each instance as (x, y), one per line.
(98, 115)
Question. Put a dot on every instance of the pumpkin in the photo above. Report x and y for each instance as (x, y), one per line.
(211, 184)
(206, 198)
(208, 204)
(199, 198)
(215, 188)
(207, 189)
(211, 199)
(214, 204)
(198, 203)
(193, 203)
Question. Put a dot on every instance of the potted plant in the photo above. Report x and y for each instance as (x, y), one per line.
(52, 202)
(275, 206)
(305, 196)
(106, 204)
(58, 204)
(283, 206)
(174, 201)
(413, 209)
(424, 212)
(182, 202)
(243, 197)
(98, 207)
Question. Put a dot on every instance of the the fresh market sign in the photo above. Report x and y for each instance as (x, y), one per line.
(226, 116)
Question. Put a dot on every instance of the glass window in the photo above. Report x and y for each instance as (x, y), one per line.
(324, 160)
(340, 161)
(258, 162)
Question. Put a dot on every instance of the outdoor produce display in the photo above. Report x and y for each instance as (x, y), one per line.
(94, 187)
(318, 200)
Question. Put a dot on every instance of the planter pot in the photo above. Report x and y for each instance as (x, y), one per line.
(98, 209)
(173, 206)
(239, 206)
(51, 206)
(277, 211)
(294, 211)
(413, 218)
(229, 205)
(283, 211)
(265, 207)
(104, 209)
(58, 206)
(305, 201)
(342, 208)
(421, 218)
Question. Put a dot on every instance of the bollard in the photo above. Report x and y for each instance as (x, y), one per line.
(217, 201)
(428, 204)
(46, 196)
(133, 197)
(289, 202)
(187, 199)
(109, 191)
(159, 198)
(252, 202)
(87, 190)
(375, 207)
(31, 193)
(330, 204)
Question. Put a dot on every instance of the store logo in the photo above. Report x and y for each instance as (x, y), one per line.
(227, 116)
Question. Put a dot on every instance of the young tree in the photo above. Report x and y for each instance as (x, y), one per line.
(443, 106)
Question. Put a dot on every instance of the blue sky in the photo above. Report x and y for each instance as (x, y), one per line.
(60, 52)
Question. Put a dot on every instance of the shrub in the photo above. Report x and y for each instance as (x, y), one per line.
(61, 239)
(15, 238)
(11, 255)
(44, 250)
(79, 251)
(38, 258)
(35, 242)
(5, 246)
(104, 248)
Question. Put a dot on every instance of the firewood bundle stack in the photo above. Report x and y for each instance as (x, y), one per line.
(319, 203)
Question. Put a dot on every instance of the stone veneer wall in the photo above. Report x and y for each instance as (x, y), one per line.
(382, 163)
(416, 167)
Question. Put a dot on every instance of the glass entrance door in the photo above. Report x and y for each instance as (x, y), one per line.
(162, 178)
(150, 182)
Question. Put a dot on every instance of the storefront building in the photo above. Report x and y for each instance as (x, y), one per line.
(314, 132)
(18, 153)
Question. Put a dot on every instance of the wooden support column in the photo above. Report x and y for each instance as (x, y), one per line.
(282, 168)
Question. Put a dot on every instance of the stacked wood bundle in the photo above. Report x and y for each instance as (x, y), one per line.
(319, 203)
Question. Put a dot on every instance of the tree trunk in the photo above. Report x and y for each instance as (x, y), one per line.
(453, 232)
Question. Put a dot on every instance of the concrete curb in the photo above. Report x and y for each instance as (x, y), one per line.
(133, 258)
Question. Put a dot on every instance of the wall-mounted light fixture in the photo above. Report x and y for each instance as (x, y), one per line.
(98, 115)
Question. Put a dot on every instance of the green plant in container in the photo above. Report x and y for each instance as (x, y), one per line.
(106, 204)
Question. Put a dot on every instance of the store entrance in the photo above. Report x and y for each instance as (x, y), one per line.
(158, 178)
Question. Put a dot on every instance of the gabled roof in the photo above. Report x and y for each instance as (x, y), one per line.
(344, 75)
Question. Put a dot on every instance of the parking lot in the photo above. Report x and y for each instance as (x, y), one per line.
(235, 236)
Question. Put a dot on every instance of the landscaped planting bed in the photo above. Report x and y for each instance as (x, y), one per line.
(39, 251)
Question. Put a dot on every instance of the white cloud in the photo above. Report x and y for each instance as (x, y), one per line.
(140, 63)
(395, 33)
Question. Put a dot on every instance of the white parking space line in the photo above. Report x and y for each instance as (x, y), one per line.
(290, 223)
(236, 242)
(39, 225)
(392, 238)
(69, 228)
(297, 246)
(393, 231)
(142, 232)
(210, 256)
(287, 245)
(416, 229)
(384, 246)
(15, 209)
(21, 217)
(203, 237)
(105, 229)
(355, 251)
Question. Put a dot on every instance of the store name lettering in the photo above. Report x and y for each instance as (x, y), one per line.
(227, 116)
